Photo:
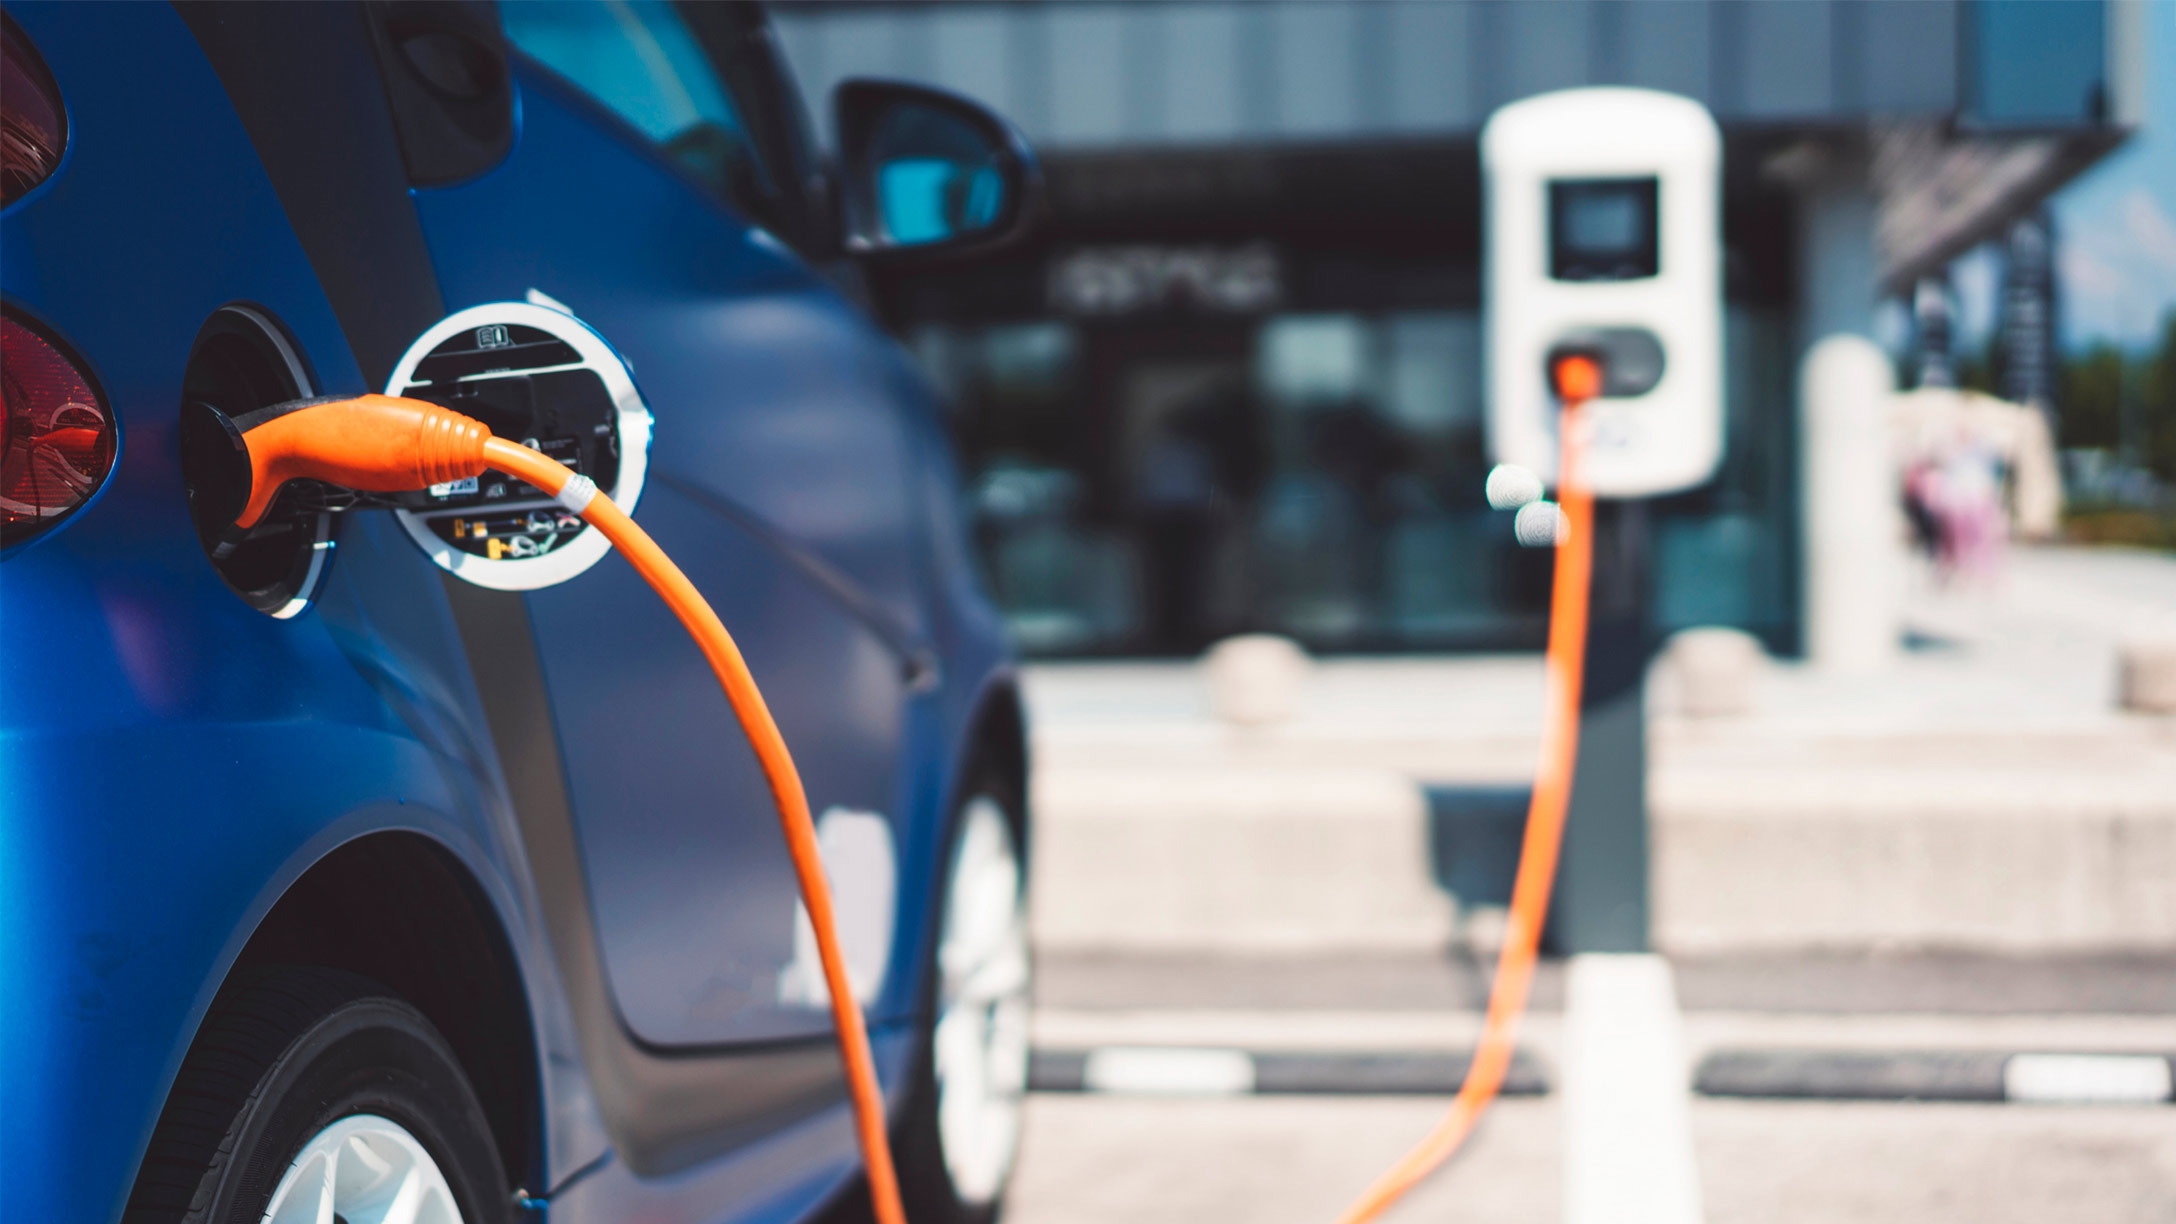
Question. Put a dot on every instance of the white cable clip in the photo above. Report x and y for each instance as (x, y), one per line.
(577, 493)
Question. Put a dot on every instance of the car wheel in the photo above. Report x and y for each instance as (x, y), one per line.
(311, 1096)
(960, 1128)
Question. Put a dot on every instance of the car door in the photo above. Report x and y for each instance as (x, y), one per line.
(777, 477)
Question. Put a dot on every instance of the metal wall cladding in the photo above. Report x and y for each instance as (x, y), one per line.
(1085, 75)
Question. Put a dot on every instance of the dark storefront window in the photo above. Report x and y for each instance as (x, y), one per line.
(1726, 553)
(1148, 486)
(1372, 530)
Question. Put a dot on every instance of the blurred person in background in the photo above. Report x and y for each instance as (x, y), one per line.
(1968, 501)
(1976, 470)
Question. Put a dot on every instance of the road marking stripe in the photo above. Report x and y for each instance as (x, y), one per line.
(2086, 1079)
(1168, 1071)
(1288, 1072)
(1971, 1076)
(1628, 1153)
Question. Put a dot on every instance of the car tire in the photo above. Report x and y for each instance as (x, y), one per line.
(940, 1184)
(958, 1131)
(306, 1080)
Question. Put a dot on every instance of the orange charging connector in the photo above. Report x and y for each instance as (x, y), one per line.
(1577, 379)
(388, 444)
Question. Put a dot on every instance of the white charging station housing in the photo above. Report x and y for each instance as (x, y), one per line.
(1603, 228)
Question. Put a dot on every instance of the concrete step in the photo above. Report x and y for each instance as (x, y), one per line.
(2025, 843)
(1253, 861)
(2063, 840)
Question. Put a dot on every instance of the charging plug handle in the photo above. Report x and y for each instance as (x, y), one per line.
(375, 443)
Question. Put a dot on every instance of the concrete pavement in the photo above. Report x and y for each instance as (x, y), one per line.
(1271, 1160)
(1279, 1158)
(1796, 1163)
(1094, 1160)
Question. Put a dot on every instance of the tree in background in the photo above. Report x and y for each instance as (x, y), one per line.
(2114, 401)
(1976, 371)
(2092, 398)
(2157, 406)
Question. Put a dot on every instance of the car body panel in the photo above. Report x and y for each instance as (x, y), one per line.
(694, 896)
(172, 761)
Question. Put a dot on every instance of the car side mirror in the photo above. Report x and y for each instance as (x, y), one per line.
(923, 172)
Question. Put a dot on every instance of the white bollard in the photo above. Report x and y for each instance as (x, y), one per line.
(1714, 672)
(1255, 679)
(1852, 524)
(2147, 676)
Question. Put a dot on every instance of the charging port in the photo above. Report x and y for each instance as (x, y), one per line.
(565, 413)
(542, 378)
(243, 361)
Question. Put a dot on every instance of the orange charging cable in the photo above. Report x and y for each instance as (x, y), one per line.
(1577, 379)
(741, 693)
(390, 444)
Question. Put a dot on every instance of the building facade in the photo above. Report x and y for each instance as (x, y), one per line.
(1237, 386)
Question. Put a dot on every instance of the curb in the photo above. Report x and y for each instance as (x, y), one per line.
(1984, 1076)
(1215, 1071)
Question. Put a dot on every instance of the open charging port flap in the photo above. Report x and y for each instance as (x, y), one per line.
(242, 361)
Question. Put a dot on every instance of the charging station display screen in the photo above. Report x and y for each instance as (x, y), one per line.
(1603, 229)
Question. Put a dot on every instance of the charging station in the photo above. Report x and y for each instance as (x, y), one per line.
(1603, 237)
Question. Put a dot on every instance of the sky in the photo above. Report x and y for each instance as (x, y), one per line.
(2117, 222)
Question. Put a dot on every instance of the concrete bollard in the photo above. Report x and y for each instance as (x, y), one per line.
(1854, 546)
(1255, 679)
(2147, 676)
(1714, 672)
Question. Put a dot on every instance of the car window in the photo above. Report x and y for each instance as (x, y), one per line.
(641, 61)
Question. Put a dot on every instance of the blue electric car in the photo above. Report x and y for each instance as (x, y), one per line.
(399, 862)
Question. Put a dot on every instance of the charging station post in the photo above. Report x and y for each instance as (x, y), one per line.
(1603, 235)
(1604, 320)
(1600, 903)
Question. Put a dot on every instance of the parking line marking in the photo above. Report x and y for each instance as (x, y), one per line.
(1286, 1072)
(1168, 1071)
(1628, 1156)
(2086, 1079)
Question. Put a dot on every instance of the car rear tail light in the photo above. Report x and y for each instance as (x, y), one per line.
(33, 127)
(58, 442)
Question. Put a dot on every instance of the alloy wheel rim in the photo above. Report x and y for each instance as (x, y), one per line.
(981, 1038)
(363, 1170)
